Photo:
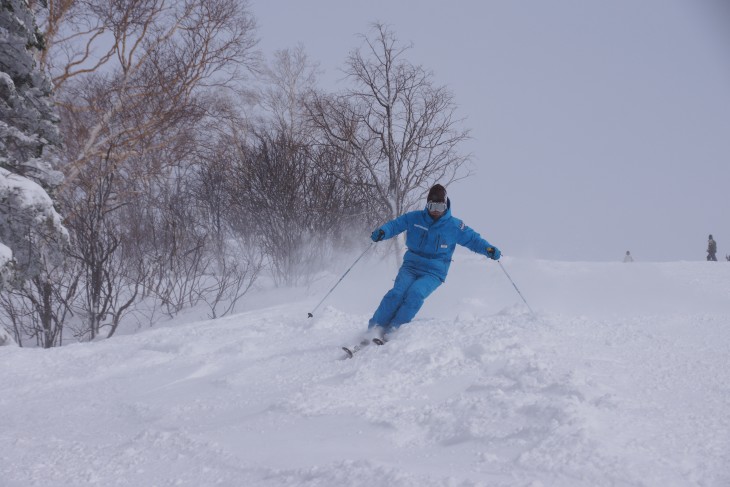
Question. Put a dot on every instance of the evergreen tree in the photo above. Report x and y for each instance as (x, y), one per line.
(32, 236)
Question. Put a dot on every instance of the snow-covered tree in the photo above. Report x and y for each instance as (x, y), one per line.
(31, 231)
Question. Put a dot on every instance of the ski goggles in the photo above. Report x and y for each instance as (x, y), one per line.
(436, 207)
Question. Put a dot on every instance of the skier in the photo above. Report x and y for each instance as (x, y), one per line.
(711, 249)
(627, 257)
(431, 237)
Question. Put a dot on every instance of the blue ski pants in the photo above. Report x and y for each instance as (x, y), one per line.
(401, 303)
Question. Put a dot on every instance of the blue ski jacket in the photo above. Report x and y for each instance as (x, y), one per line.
(431, 243)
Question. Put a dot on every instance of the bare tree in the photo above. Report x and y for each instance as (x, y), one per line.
(109, 286)
(137, 80)
(289, 79)
(156, 55)
(179, 235)
(38, 309)
(266, 188)
(230, 276)
(299, 215)
(398, 131)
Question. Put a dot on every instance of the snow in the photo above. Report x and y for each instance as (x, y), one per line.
(621, 378)
(31, 192)
(31, 196)
(5, 254)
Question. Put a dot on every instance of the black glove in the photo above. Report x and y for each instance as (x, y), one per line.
(377, 235)
(493, 252)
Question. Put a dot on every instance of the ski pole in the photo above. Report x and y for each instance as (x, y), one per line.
(515, 286)
(311, 314)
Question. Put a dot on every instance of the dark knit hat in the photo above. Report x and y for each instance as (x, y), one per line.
(437, 194)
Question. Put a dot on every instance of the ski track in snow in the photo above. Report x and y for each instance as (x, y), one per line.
(261, 398)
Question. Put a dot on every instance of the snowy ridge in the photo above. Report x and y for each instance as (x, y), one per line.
(470, 399)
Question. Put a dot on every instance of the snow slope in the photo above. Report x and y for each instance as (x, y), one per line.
(621, 378)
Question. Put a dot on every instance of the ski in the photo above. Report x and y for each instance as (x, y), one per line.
(351, 351)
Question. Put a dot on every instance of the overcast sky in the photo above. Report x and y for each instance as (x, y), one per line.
(597, 126)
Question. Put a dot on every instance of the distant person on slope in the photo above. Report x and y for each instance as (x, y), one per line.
(711, 249)
(627, 257)
(431, 237)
